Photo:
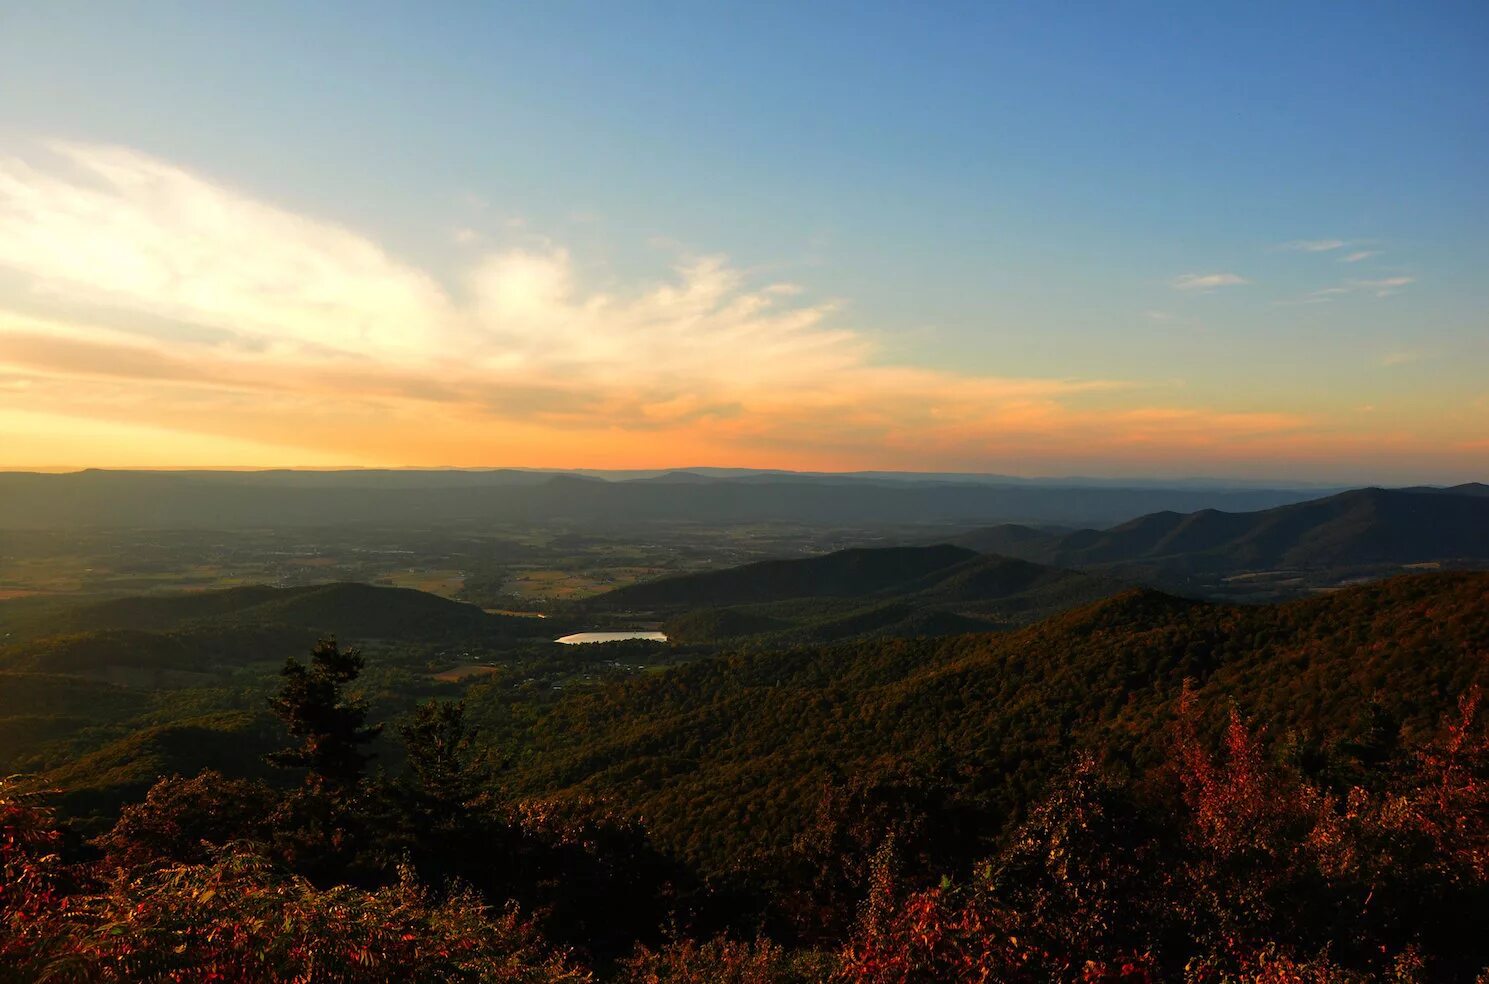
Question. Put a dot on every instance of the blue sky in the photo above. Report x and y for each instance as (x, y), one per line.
(986, 190)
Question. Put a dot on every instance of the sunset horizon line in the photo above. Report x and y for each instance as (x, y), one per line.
(1239, 480)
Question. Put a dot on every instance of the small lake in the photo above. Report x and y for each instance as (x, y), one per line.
(578, 637)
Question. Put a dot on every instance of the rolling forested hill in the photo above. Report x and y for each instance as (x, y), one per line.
(724, 755)
(844, 573)
(350, 611)
(106, 696)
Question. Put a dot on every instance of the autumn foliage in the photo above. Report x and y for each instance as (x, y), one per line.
(1240, 858)
(1251, 871)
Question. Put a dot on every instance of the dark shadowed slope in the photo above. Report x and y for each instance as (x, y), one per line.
(1478, 489)
(846, 573)
(888, 591)
(942, 574)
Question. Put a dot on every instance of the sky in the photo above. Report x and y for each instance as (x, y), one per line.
(1122, 239)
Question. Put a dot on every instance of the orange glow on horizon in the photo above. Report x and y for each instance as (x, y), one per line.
(222, 331)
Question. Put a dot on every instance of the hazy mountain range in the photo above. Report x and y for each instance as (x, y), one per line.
(280, 499)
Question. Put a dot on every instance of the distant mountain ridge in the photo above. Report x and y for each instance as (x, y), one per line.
(1359, 528)
(286, 499)
(1477, 489)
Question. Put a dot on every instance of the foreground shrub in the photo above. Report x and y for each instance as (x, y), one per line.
(725, 961)
(1247, 872)
(182, 820)
(239, 918)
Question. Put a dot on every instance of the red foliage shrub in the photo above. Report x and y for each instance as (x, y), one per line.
(1262, 875)
(34, 889)
(238, 918)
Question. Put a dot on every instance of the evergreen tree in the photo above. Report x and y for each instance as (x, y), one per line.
(441, 753)
(330, 728)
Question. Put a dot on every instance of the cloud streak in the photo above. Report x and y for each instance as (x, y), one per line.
(1313, 245)
(1406, 357)
(1380, 287)
(1205, 282)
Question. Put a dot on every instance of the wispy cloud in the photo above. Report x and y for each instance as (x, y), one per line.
(171, 312)
(1313, 245)
(1400, 358)
(1383, 286)
(1200, 282)
(1356, 253)
(1314, 298)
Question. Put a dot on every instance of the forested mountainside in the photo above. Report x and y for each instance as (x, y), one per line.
(1143, 789)
(722, 756)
